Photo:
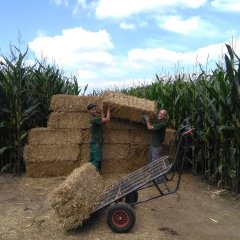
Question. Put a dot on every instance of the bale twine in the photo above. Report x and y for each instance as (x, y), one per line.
(75, 199)
(69, 103)
(129, 107)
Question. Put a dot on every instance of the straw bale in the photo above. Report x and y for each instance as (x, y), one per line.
(43, 153)
(38, 136)
(85, 135)
(141, 137)
(50, 168)
(123, 124)
(74, 200)
(70, 103)
(169, 136)
(129, 107)
(116, 136)
(69, 120)
(115, 150)
(115, 165)
(85, 153)
(138, 156)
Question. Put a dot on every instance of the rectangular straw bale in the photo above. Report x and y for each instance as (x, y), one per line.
(39, 136)
(42, 153)
(85, 135)
(138, 157)
(74, 200)
(116, 136)
(115, 165)
(50, 168)
(123, 124)
(69, 120)
(141, 137)
(115, 150)
(70, 103)
(169, 136)
(129, 107)
(84, 153)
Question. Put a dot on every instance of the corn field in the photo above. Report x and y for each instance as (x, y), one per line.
(25, 94)
(211, 104)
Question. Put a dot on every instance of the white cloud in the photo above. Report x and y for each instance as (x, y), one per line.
(74, 46)
(125, 25)
(226, 5)
(124, 8)
(179, 25)
(83, 5)
(87, 54)
(153, 57)
(192, 26)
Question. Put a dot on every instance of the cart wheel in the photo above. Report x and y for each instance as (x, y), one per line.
(132, 197)
(121, 217)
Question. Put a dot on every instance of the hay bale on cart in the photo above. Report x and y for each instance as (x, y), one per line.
(74, 200)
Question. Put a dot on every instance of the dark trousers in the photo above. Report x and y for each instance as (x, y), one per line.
(96, 150)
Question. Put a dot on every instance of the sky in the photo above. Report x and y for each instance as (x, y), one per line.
(121, 43)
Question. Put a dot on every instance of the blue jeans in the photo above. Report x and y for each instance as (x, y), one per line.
(154, 153)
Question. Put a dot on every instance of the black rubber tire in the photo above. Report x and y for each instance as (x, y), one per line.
(132, 197)
(121, 217)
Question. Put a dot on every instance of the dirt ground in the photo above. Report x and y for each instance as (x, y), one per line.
(196, 211)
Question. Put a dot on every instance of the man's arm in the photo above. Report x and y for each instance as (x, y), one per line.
(108, 116)
(149, 125)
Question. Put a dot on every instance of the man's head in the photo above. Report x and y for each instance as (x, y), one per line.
(162, 114)
(92, 108)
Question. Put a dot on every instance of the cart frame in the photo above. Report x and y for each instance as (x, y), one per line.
(159, 173)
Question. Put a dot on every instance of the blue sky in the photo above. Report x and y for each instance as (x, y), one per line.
(121, 43)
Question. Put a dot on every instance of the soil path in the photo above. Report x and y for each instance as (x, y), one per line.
(196, 211)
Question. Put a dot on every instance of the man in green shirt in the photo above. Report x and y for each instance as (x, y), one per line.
(158, 129)
(96, 132)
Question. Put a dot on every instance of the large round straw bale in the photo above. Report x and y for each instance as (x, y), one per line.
(74, 200)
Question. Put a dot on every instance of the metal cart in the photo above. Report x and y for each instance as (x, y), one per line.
(119, 198)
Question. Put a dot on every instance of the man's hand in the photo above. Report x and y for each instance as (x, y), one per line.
(146, 117)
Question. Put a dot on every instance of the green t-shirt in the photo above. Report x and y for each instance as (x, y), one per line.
(96, 129)
(159, 129)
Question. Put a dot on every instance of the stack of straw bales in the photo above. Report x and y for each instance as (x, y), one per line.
(57, 149)
(64, 145)
(75, 199)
